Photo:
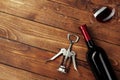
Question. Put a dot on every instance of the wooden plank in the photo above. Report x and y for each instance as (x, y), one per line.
(44, 37)
(33, 60)
(87, 4)
(35, 34)
(65, 17)
(7, 73)
(105, 1)
(79, 4)
(38, 11)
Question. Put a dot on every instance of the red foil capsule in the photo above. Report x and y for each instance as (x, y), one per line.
(85, 33)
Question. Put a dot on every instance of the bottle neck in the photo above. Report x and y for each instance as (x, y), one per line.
(89, 41)
(90, 44)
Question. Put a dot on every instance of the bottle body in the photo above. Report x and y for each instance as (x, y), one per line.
(100, 65)
(97, 59)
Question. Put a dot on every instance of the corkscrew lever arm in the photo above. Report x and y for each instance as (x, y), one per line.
(63, 50)
(74, 61)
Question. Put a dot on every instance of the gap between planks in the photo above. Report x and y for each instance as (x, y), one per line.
(78, 48)
(60, 27)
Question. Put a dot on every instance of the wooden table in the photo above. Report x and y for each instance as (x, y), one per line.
(32, 31)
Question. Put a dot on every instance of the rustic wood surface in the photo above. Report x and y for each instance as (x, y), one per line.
(32, 31)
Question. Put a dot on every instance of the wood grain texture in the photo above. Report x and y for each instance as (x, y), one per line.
(33, 59)
(65, 17)
(7, 73)
(35, 34)
(32, 31)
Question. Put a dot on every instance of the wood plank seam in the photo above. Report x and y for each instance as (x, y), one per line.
(57, 27)
(95, 38)
(26, 70)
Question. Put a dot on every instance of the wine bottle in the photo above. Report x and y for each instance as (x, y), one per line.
(97, 59)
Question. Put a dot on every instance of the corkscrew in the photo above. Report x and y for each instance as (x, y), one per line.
(68, 56)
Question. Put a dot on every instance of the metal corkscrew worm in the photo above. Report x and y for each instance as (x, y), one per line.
(68, 55)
